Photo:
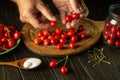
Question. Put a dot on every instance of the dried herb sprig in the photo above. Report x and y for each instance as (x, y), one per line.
(97, 56)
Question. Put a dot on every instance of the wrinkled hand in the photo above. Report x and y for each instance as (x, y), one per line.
(34, 12)
(67, 7)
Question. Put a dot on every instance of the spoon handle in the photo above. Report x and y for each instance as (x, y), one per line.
(8, 64)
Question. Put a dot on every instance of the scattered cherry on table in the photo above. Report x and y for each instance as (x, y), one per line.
(53, 63)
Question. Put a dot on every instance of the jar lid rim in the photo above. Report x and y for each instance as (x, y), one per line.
(112, 7)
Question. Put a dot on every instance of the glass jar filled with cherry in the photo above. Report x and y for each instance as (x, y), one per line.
(111, 32)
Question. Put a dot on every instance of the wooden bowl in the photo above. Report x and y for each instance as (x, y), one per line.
(93, 29)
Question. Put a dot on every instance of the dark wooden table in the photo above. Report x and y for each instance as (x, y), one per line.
(78, 66)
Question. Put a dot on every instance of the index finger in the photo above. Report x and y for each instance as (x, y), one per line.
(45, 11)
(35, 22)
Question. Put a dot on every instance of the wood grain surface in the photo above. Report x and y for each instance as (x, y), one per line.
(91, 28)
(77, 65)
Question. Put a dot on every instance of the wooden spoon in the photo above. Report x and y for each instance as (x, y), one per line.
(25, 63)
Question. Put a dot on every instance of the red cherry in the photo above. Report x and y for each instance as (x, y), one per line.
(6, 34)
(63, 40)
(1, 43)
(59, 46)
(117, 43)
(112, 35)
(74, 29)
(53, 63)
(64, 35)
(11, 34)
(42, 37)
(4, 40)
(59, 31)
(11, 43)
(11, 28)
(106, 37)
(17, 35)
(72, 45)
(106, 32)
(118, 33)
(114, 28)
(107, 24)
(46, 42)
(1, 49)
(1, 37)
(1, 25)
(53, 41)
(110, 41)
(53, 23)
(5, 46)
(50, 37)
(63, 69)
(71, 32)
(57, 37)
(74, 38)
(83, 35)
(54, 33)
(40, 34)
(37, 41)
(46, 32)
(81, 28)
(68, 18)
(75, 15)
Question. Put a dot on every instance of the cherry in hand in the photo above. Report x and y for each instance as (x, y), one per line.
(74, 16)
(68, 18)
(52, 23)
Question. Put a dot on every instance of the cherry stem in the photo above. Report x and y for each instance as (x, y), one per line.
(62, 60)
(98, 56)
(66, 60)
(8, 32)
(22, 32)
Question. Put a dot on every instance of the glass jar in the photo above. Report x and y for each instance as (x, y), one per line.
(112, 26)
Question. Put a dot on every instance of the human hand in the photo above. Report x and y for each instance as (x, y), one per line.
(34, 12)
(68, 7)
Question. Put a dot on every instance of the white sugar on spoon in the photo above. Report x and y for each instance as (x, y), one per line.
(32, 63)
(25, 63)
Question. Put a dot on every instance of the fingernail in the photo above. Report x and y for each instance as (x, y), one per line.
(63, 21)
(81, 15)
(72, 24)
(54, 18)
(68, 26)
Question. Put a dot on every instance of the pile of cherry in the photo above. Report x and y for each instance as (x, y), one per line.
(8, 37)
(112, 34)
(59, 37)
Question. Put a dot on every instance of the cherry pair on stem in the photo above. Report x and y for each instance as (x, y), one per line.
(54, 63)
